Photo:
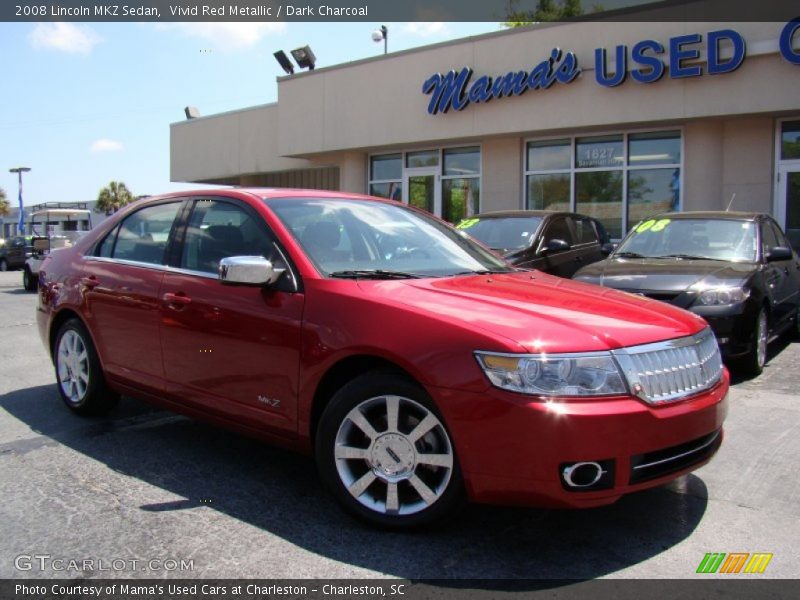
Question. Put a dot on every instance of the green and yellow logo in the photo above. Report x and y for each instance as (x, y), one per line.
(734, 562)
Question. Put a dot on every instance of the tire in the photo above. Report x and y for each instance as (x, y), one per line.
(753, 362)
(29, 281)
(3, 265)
(79, 376)
(399, 477)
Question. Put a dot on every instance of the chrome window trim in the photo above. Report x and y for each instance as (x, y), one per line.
(181, 271)
(153, 266)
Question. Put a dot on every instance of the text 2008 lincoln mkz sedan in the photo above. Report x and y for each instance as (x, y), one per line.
(417, 367)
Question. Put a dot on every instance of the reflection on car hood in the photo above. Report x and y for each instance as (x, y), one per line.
(663, 274)
(541, 312)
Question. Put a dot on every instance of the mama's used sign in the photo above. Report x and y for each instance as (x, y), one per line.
(647, 59)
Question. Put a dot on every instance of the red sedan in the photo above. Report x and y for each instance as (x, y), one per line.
(416, 366)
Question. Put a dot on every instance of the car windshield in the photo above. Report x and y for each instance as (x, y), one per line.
(502, 233)
(356, 238)
(713, 239)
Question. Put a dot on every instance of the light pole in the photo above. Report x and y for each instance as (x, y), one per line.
(382, 34)
(19, 171)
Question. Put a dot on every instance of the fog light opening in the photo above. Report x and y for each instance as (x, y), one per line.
(582, 474)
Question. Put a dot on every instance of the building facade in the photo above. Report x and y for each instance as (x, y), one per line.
(614, 120)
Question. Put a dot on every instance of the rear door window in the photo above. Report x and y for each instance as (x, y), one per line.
(144, 235)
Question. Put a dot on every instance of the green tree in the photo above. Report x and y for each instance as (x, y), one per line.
(113, 197)
(5, 207)
(546, 10)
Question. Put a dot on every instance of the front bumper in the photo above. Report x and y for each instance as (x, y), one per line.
(733, 326)
(512, 448)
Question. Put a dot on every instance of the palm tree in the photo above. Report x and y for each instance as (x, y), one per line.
(113, 197)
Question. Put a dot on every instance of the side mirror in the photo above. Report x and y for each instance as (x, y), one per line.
(248, 270)
(556, 245)
(607, 248)
(779, 253)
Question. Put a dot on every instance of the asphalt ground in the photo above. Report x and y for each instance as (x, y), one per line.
(147, 485)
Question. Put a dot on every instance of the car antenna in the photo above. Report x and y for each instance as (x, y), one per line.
(733, 197)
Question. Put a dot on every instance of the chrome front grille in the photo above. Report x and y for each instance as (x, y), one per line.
(669, 371)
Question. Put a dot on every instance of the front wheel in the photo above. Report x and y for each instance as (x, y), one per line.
(29, 280)
(81, 382)
(386, 455)
(753, 363)
(3, 265)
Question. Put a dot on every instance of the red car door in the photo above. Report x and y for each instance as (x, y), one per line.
(121, 284)
(231, 350)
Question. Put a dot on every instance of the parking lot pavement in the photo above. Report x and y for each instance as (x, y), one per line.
(146, 484)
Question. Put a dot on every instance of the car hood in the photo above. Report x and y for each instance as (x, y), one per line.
(667, 275)
(540, 312)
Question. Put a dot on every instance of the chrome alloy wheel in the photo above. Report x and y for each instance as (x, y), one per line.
(73, 366)
(761, 338)
(393, 455)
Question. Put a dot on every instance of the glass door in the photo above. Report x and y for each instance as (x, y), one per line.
(789, 203)
(420, 189)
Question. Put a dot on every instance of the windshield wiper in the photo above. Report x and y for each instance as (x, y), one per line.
(374, 274)
(484, 272)
(688, 257)
(629, 255)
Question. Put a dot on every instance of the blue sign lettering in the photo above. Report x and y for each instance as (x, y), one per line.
(620, 67)
(655, 70)
(647, 58)
(453, 90)
(787, 35)
(447, 90)
(715, 67)
(677, 55)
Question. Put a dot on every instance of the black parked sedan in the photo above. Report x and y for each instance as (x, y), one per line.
(737, 270)
(14, 252)
(558, 243)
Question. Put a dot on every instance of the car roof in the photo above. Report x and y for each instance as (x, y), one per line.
(264, 193)
(733, 215)
(522, 213)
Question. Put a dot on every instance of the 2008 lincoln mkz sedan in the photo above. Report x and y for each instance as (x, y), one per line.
(418, 368)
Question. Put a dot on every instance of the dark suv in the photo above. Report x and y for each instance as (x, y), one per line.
(14, 253)
(558, 243)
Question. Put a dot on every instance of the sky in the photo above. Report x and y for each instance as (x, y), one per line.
(85, 104)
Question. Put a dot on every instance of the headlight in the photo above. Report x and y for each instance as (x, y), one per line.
(593, 374)
(722, 296)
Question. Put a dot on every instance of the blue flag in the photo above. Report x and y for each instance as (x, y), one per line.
(21, 224)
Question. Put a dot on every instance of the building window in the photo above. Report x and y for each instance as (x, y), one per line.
(386, 176)
(787, 186)
(790, 140)
(426, 158)
(619, 179)
(445, 182)
(461, 183)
